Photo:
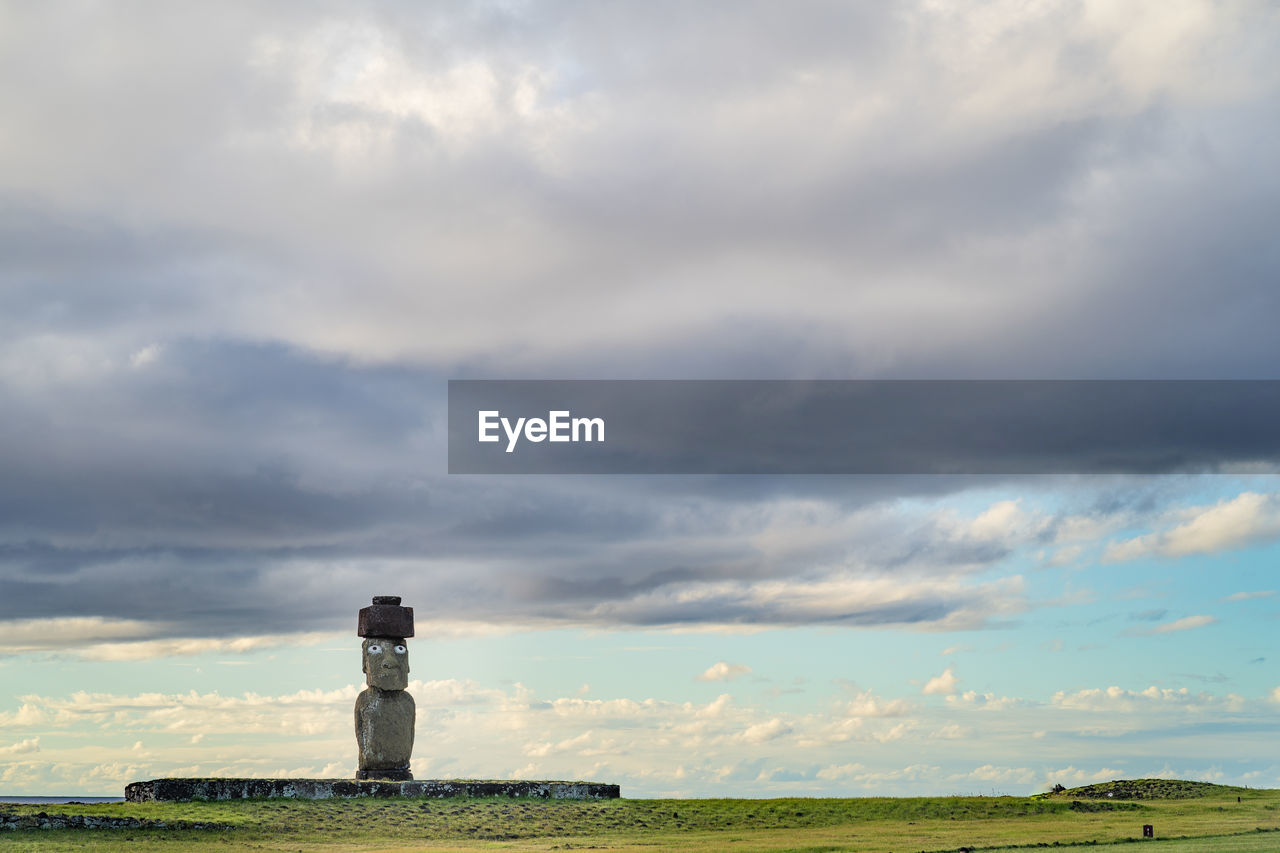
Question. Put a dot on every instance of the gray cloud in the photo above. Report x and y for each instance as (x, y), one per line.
(471, 186)
(203, 491)
(242, 247)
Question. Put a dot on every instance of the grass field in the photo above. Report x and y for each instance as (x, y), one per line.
(1186, 816)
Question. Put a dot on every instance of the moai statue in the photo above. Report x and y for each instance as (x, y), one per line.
(384, 711)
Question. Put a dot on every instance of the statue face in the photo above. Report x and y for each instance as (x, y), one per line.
(386, 663)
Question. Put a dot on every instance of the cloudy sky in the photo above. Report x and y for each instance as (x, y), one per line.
(244, 246)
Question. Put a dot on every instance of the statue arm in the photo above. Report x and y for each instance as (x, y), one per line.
(360, 704)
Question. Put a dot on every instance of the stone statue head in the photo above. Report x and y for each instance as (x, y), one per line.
(386, 663)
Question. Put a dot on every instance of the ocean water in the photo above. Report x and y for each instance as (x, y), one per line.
(40, 801)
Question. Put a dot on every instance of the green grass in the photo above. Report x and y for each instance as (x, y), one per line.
(1209, 821)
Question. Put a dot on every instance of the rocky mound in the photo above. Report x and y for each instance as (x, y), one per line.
(1146, 789)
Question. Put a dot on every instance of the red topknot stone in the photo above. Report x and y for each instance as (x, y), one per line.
(385, 618)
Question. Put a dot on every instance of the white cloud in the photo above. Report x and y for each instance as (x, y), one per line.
(718, 708)
(836, 772)
(186, 646)
(21, 747)
(104, 639)
(339, 770)
(897, 732)
(766, 731)
(1246, 519)
(1151, 699)
(1004, 520)
(1185, 624)
(188, 712)
(145, 356)
(941, 684)
(1004, 524)
(1065, 556)
(842, 597)
(997, 774)
(476, 730)
(867, 704)
(910, 772)
(1088, 528)
(1248, 596)
(722, 671)
(971, 699)
(26, 635)
(572, 744)
(1071, 776)
(1130, 549)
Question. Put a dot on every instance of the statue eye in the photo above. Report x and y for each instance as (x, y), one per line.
(375, 649)
(401, 650)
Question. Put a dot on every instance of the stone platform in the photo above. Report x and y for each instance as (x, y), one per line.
(185, 790)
